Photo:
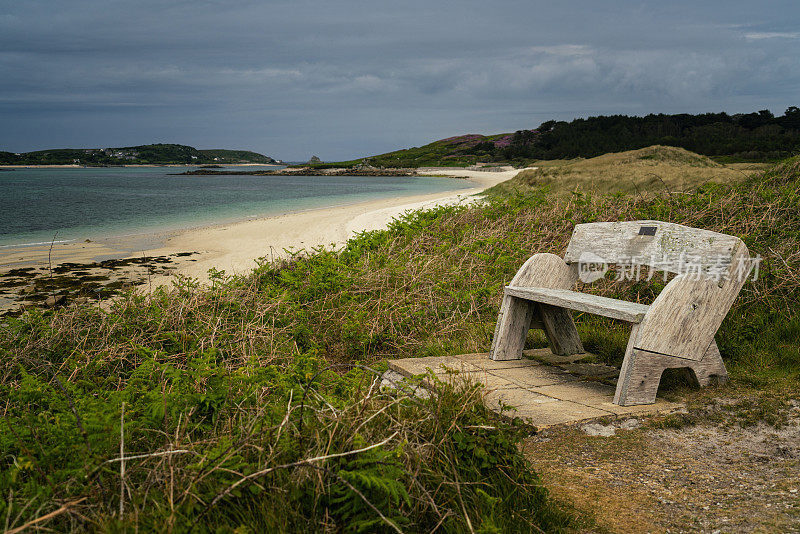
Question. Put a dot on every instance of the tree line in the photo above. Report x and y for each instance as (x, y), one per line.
(758, 136)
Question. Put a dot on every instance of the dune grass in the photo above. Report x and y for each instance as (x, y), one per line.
(651, 169)
(250, 405)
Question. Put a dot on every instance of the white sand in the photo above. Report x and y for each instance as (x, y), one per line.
(234, 247)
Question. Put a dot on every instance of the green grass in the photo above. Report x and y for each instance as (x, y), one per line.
(257, 376)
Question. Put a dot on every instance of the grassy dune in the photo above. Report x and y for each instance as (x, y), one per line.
(250, 405)
(651, 169)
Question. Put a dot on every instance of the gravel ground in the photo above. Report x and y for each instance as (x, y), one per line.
(709, 477)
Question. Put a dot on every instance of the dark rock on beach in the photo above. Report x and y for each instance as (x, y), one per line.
(55, 300)
(78, 283)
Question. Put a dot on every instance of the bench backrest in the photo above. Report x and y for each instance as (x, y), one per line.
(661, 246)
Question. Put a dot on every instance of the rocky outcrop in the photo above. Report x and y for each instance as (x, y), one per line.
(364, 166)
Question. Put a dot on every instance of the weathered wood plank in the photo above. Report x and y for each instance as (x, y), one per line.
(641, 374)
(545, 270)
(662, 246)
(687, 313)
(512, 328)
(631, 312)
(560, 329)
(711, 368)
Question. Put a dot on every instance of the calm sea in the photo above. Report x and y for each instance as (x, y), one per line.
(78, 204)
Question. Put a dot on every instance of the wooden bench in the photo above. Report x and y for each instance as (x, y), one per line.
(676, 331)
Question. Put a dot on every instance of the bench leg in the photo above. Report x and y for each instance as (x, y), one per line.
(641, 372)
(560, 330)
(512, 327)
(711, 368)
(639, 378)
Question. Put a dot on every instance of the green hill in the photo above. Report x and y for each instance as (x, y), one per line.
(456, 151)
(237, 156)
(459, 151)
(156, 154)
(758, 136)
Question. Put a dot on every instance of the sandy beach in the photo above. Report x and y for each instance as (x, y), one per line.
(234, 247)
(150, 260)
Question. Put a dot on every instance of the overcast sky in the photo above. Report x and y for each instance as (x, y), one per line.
(343, 78)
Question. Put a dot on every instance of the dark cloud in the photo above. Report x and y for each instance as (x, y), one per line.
(344, 78)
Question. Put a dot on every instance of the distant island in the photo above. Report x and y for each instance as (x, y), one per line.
(743, 137)
(156, 154)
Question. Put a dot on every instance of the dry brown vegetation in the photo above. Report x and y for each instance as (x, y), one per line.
(651, 169)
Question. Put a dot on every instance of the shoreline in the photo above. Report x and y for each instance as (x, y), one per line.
(234, 247)
(149, 260)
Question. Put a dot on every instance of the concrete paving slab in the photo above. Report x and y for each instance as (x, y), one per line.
(515, 397)
(661, 406)
(449, 368)
(585, 392)
(557, 413)
(542, 395)
(591, 369)
(483, 361)
(437, 364)
(489, 379)
(539, 410)
(601, 396)
(541, 375)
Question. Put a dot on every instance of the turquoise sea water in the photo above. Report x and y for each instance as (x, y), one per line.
(77, 204)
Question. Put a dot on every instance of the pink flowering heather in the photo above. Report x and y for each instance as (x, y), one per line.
(465, 141)
(502, 142)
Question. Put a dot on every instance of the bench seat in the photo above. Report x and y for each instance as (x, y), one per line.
(623, 310)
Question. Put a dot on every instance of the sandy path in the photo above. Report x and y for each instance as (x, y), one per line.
(718, 476)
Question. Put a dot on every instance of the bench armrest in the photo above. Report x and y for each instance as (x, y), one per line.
(545, 270)
(684, 317)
